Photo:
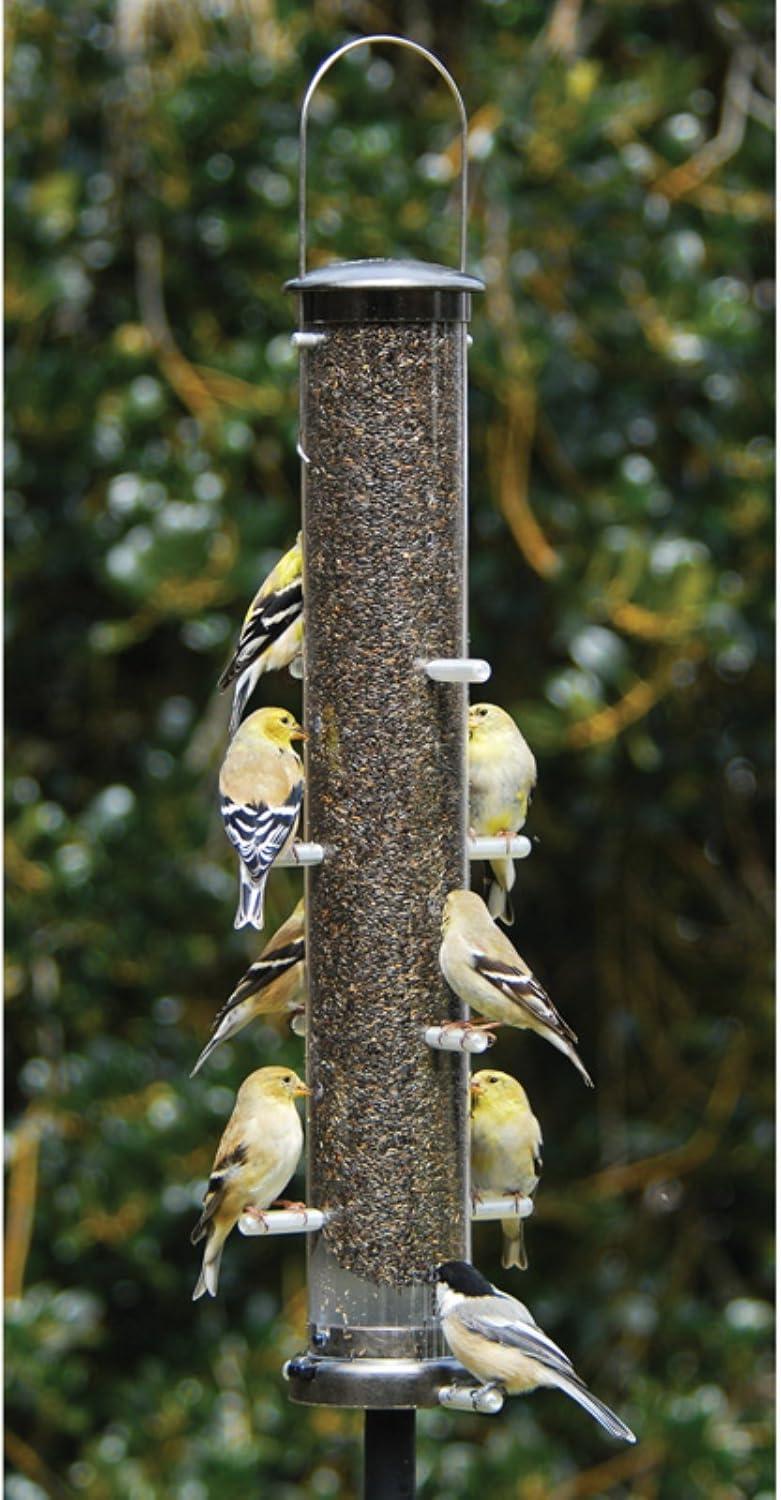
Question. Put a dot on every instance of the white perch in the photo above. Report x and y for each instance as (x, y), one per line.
(283, 1221)
(307, 340)
(456, 669)
(516, 847)
(457, 1038)
(302, 854)
(482, 1398)
(502, 1206)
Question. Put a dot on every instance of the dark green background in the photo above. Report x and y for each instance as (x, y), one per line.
(620, 584)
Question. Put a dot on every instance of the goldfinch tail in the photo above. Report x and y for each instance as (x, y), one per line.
(208, 1280)
(499, 903)
(572, 1386)
(513, 1247)
(251, 896)
(242, 693)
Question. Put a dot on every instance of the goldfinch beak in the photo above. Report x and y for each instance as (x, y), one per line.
(475, 1090)
(301, 1091)
(298, 733)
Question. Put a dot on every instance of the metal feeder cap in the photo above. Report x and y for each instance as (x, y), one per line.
(385, 291)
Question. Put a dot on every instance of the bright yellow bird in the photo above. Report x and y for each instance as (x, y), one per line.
(488, 973)
(502, 777)
(506, 1148)
(256, 1158)
(274, 985)
(272, 634)
(261, 790)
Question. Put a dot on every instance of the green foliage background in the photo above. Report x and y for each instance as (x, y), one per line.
(621, 555)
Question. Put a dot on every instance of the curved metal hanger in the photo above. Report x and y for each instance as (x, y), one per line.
(367, 41)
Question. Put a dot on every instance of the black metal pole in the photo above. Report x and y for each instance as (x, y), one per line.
(389, 1455)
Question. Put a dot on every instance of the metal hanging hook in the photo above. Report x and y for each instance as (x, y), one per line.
(367, 41)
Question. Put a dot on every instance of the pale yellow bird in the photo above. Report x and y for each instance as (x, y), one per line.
(272, 634)
(274, 985)
(506, 1149)
(502, 777)
(261, 790)
(488, 973)
(496, 1338)
(256, 1158)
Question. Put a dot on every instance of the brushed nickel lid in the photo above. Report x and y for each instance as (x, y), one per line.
(385, 275)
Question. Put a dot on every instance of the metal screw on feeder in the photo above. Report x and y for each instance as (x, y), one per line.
(383, 347)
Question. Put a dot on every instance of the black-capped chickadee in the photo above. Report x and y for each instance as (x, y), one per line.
(496, 1338)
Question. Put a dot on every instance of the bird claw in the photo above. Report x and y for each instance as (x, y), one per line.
(256, 1213)
(291, 1208)
(469, 1025)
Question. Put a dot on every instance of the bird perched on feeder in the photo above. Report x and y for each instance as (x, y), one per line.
(257, 1156)
(261, 789)
(272, 634)
(506, 1149)
(502, 776)
(488, 973)
(496, 1338)
(274, 985)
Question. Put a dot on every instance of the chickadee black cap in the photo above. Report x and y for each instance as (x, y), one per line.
(462, 1277)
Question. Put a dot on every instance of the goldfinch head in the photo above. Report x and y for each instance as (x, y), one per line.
(488, 721)
(461, 905)
(271, 1083)
(491, 1089)
(275, 725)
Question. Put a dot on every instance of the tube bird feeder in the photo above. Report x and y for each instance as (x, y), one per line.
(383, 444)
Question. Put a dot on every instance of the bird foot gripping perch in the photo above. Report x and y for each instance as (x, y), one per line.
(293, 1218)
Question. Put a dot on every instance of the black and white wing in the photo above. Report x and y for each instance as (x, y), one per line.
(263, 973)
(258, 832)
(524, 989)
(267, 620)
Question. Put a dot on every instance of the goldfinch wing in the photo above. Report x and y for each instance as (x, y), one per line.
(261, 974)
(257, 831)
(267, 620)
(226, 1166)
(524, 989)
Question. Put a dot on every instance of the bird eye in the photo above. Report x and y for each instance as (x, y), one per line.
(493, 1078)
(288, 1078)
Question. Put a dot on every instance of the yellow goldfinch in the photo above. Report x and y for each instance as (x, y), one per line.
(261, 789)
(502, 776)
(256, 1158)
(488, 973)
(506, 1146)
(496, 1338)
(273, 985)
(272, 634)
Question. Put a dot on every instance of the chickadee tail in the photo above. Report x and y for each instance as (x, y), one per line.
(250, 910)
(208, 1280)
(574, 1387)
(513, 1247)
(499, 904)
